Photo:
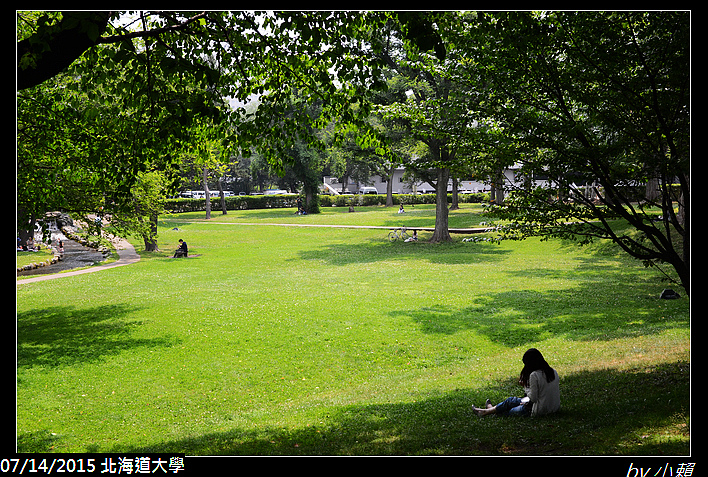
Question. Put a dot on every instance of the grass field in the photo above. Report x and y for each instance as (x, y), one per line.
(279, 340)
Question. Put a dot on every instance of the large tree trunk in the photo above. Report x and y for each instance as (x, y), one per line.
(498, 188)
(25, 233)
(223, 198)
(206, 193)
(441, 233)
(150, 241)
(345, 179)
(389, 187)
(311, 204)
(455, 196)
(684, 218)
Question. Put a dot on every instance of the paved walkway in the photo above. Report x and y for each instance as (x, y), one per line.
(126, 256)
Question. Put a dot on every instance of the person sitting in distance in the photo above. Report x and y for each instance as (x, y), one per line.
(182, 250)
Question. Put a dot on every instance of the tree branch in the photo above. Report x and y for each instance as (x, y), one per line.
(150, 33)
(64, 44)
(76, 33)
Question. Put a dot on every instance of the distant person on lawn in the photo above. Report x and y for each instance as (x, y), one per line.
(182, 250)
(540, 382)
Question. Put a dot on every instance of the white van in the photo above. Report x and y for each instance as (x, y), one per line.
(368, 190)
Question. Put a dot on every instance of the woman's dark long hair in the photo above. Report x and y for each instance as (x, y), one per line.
(533, 360)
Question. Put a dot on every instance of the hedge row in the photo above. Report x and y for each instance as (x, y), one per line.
(243, 202)
(405, 199)
(239, 202)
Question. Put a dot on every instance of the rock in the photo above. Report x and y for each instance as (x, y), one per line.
(669, 294)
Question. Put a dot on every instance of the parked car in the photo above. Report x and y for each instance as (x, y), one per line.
(368, 190)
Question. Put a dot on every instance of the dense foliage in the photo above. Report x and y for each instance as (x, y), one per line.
(594, 103)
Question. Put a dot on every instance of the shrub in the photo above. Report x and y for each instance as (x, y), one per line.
(238, 202)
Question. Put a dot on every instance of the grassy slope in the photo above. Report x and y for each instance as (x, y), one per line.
(333, 341)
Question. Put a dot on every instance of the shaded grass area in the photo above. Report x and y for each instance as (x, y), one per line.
(445, 425)
(293, 341)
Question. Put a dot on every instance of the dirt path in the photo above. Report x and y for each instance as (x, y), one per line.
(126, 256)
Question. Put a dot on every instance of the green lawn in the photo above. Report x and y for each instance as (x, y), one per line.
(330, 341)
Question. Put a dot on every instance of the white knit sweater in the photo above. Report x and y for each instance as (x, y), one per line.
(545, 396)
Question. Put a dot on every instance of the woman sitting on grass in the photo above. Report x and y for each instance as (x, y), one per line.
(540, 382)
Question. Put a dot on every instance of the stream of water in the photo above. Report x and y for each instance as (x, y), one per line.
(75, 256)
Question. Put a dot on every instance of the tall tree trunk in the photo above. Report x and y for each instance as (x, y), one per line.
(25, 233)
(345, 178)
(150, 240)
(441, 233)
(312, 201)
(221, 195)
(455, 196)
(685, 221)
(389, 187)
(498, 195)
(206, 193)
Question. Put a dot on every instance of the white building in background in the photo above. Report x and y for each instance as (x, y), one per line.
(400, 186)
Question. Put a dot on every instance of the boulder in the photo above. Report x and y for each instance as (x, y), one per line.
(669, 294)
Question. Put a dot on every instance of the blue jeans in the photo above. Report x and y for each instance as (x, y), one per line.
(512, 406)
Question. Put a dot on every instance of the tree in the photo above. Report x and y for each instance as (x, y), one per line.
(148, 192)
(355, 156)
(80, 153)
(306, 164)
(207, 154)
(348, 160)
(94, 128)
(144, 77)
(438, 112)
(396, 133)
(599, 104)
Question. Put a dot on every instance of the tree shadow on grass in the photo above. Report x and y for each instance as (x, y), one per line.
(67, 335)
(601, 415)
(520, 317)
(381, 250)
(598, 302)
